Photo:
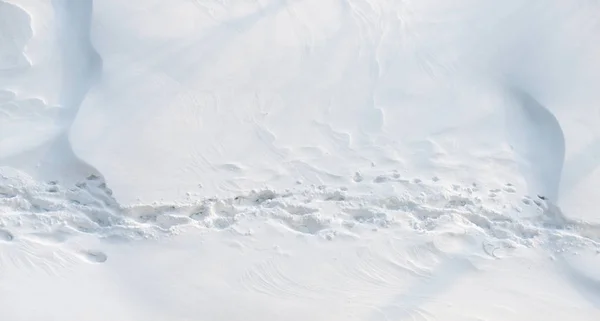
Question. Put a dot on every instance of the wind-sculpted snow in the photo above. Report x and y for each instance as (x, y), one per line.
(15, 31)
(390, 84)
(299, 160)
(34, 133)
(323, 83)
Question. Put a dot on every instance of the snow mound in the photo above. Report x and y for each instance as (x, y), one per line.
(324, 88)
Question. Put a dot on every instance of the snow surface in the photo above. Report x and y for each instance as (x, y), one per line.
(299, 160)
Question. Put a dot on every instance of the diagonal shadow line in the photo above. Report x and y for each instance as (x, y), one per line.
(219, 38)
(579, 166)
(212, 40)
(81, 63)
(547, 125)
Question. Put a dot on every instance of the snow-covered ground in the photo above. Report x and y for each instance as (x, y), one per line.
(299, 160)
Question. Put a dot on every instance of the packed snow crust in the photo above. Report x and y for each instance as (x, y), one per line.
(299, 160)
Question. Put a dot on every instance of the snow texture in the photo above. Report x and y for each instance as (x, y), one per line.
(299, 160)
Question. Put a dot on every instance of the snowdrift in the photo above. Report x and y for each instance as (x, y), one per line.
(219, 98)
(235, 96)
(305, 159)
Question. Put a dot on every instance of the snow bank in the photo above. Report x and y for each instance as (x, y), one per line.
(221, 92)
(225, 97)
(309, 159)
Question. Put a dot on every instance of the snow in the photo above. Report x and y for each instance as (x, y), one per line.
(300, 160)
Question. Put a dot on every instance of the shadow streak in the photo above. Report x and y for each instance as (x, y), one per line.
(579, 166)
(538, 140)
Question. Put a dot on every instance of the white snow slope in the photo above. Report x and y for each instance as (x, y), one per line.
(299, 160)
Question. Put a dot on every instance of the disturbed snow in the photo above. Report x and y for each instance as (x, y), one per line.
(416, 249)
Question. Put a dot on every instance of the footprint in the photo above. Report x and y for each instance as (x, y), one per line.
(200, 213)
(357, 177)
(298, 209)
(93, 177)
(259, 197)
(223, 223)
(367, 216)
(381, 179)
(6, 236)
(167, 221)
(308, 224)
(94, 256)
(334, 196)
